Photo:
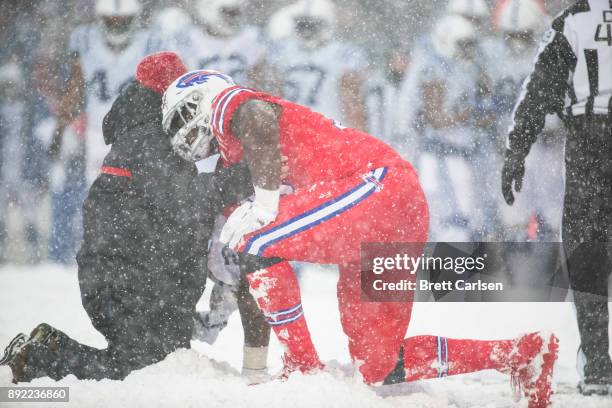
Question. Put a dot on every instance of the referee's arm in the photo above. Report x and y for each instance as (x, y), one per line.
(543, 91)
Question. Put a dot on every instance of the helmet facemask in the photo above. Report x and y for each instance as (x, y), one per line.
(189, 128)
(520, 42)
(231, 16)
(221, 17)
(310, 30)
(118, 30)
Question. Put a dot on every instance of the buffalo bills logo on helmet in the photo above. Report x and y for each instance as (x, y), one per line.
(200, 77)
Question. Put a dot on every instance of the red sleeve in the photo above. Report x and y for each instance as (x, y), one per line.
(223, 108)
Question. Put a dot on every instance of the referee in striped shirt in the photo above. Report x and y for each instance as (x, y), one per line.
(572, 77)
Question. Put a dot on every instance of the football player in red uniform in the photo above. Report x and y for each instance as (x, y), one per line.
(348, 188)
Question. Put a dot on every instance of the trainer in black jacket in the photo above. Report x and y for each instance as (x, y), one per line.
(142, 265)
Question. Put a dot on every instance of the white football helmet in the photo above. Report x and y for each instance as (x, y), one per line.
(311, 21)
(186, 109)
(448, 34)
(222, 17)
(476, 11)
(519, 15)
(171, 20)
(281, 24)
(520, 21)
(119, 20)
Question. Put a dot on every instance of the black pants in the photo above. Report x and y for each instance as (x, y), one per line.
(141, 327)
(587, 225)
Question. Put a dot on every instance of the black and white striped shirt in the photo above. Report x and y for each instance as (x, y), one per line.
(572, 75)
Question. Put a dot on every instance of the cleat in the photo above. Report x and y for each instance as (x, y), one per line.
(288, 369)
(531, 367)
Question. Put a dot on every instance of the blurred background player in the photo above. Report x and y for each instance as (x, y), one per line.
(19, 196)
(447, 89)
(536, 214)
(318, 69)
(221, 39)
(104, 54)
(382, 97)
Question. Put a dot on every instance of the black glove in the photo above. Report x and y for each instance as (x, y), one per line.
(512, 175)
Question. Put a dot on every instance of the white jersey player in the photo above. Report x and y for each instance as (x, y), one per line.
(520, 22)
(222, 42)
(386, 113)
(447, 80)
(318, 70)
(105, 55)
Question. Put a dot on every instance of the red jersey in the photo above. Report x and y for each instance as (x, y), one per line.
(317, 148)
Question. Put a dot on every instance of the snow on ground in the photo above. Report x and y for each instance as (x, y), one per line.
(208, 376)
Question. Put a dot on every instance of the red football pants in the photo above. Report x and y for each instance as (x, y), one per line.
(326, 224)
(375, 331)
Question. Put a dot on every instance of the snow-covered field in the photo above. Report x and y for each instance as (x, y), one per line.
(208, 376)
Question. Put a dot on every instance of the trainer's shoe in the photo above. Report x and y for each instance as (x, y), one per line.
(13, 348)
(531, 367)
(45, 334)
(16, 352)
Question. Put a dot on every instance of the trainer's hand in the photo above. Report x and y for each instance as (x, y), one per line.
(512, 175)
(250, 216)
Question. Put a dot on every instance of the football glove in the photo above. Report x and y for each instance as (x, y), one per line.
(250, 217)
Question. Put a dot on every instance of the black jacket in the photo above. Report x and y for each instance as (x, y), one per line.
(565, 77)
(147, 222)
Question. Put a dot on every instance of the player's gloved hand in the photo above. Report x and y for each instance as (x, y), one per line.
(206, 328)
(512, 175)
(250, 216)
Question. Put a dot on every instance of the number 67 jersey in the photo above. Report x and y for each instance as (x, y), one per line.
(312, 76)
